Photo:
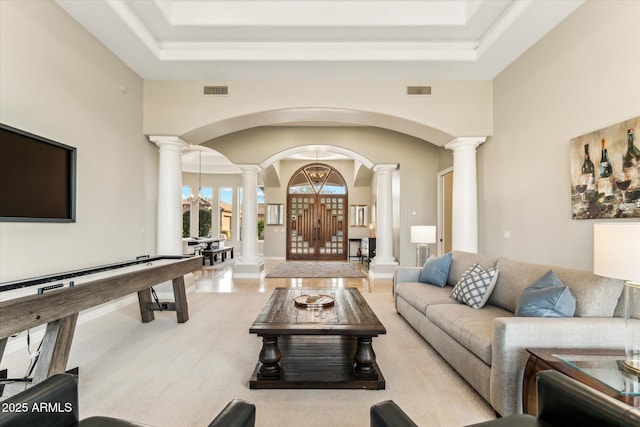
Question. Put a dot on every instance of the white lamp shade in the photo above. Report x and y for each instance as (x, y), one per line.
(616, 250)
(423, 234)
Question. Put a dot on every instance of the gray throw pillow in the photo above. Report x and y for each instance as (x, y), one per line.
(546, 297)
(436, 270)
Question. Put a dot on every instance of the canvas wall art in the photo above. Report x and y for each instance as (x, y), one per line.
(605, 172)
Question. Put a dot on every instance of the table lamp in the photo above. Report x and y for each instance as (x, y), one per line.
(423, 235)
(616, 254)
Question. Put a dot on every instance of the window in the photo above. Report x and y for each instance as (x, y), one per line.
(226, 211)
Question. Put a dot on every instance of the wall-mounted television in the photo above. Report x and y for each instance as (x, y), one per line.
(37, 178)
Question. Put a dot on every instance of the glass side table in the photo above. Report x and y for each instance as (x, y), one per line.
(598, 368)
(606, 369)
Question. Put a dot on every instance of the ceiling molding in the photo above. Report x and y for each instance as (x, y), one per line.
(331, 39)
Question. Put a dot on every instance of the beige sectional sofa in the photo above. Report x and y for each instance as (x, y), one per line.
(487, 345)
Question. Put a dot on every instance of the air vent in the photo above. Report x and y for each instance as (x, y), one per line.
(418, 90)
(216, 90)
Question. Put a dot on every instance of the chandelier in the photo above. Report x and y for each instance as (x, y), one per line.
(317, 174)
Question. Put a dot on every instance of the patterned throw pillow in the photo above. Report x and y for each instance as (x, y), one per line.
(475, 286)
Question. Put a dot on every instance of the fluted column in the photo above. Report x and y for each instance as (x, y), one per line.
(465, 193)
(249, 264)
(169, 194)
(384, 261)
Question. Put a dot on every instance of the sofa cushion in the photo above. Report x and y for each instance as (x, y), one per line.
(546, 297)
(421, 296)
(461, 261)
(475, 286)
(436, 270)
(471, 328)
(595, 296)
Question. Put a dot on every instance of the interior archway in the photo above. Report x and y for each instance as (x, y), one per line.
(315, 116)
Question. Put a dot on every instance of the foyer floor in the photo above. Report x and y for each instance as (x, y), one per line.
(219, 278)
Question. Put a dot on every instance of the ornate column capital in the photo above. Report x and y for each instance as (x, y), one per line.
(385, 167)
(250, 168)
(168, 141)
(465, 142)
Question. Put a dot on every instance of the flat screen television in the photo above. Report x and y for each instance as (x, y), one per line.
(37, 178)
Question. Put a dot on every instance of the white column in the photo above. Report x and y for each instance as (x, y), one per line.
(169, 194)
(465, 193)
(249, 264)
(384, 261)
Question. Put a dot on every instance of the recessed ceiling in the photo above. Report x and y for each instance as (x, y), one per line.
(324, 39)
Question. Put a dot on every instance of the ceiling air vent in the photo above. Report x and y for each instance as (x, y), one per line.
(418, 90)
(216, 90)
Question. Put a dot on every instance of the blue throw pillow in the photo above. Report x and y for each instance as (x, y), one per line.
(547, 297)
(436, 270)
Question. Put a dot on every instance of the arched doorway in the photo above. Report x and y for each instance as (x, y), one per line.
(316, 214)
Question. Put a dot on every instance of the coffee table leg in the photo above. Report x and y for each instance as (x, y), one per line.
(364, 358)
(270, 358)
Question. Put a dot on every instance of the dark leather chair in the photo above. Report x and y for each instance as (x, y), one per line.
(388, 414)
(237, 413)
(54, 403)
(562, 401)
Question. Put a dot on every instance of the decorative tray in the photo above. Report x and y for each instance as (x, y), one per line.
(314, 301)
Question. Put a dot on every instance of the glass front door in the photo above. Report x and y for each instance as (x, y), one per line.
(317, 218)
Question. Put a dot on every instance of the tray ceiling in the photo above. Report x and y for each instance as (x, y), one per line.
(327, 39)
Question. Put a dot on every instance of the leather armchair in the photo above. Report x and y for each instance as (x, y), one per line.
(54, 403)
(388, 414)
(237, 413)
(562, 401)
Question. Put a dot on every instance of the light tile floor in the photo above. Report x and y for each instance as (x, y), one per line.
(219, 278)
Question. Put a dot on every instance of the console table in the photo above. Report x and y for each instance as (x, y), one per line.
(597, 368)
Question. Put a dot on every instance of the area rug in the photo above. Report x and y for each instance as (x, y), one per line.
(169, 374)
(314, 269)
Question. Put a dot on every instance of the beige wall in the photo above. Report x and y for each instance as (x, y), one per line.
(583, 76)
(59, 82)
(455, 108)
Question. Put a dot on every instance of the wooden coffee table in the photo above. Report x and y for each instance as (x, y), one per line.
(597, 368)
(327, 348)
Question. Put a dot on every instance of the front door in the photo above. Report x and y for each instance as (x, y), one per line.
(316, 215)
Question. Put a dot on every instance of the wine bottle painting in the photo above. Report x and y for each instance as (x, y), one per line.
(605, 172)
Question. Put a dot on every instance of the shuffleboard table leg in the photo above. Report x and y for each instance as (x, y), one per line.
(180, 297)
(144, 298)
(55, 349)
(3, 345)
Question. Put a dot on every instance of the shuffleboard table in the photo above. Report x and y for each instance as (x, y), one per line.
(56, 301)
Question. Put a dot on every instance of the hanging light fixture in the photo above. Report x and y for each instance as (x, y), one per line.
(199, 199)
(317, 174)
(200, 178)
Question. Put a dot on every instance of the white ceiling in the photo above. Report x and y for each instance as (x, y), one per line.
(323, 39)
